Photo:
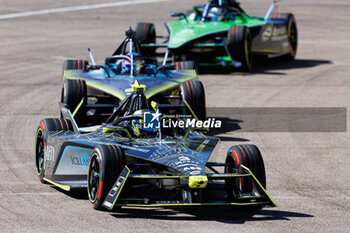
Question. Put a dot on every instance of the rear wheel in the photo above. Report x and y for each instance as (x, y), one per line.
(193, 93)
(45, 126)
(145, 34)
(292, 32)
(185, 65)
(239, 43)
(73, 92)
(106, 163)
(250, 157)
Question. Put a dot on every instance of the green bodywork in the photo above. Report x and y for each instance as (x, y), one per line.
(187, 29)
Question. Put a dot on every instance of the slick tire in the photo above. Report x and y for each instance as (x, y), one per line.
(106, 163)
(185, 65)
(45, 126)
(193, 93)
(292, 31)
(73, 92)
(145, 34)
(250, 157)
(239, 43)
(74, 65)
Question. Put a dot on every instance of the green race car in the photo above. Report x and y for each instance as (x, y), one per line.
(222, 33)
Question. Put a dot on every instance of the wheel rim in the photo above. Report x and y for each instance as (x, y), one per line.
(94, 178)
(39, 152)
(292, 37)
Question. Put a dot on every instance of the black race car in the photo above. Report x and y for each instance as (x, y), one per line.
(92, 92)
(138, 157)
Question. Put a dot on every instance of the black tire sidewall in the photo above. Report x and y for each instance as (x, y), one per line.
(112, 161)
(193, 93)
(237, 38)
(73, 92)
(249, 156)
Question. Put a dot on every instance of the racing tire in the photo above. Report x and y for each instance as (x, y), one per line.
(106, 163)
(292, 31)
(73, 92)
(185, 65)
(145, 34)
(45, 126)
(193, 93)
(250, 157)
(239, 43)
(75, 65)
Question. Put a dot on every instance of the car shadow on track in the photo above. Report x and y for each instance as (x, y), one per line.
(219, 214)
(267, 66)
(79, 194)
(227, 125)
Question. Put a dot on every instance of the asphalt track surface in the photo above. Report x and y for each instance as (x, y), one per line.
(307, 173)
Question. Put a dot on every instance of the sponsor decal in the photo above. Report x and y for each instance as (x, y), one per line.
(129, 90)
(274, 33)
(193, 169)
(80, 159)
(49, 153)
(74, 161)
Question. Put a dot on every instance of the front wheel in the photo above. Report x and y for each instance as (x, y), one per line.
(106, 163)
(45, 126)
(250, 157)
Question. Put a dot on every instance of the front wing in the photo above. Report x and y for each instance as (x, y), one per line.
(213, 194)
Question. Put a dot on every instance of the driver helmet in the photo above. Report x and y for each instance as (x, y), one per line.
(126, 67)
(139, 66)
(214, 13)
(138, 126)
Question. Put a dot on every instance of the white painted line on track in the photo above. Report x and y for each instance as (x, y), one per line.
(76, 8)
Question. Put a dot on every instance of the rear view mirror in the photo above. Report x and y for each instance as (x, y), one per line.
(164, 67)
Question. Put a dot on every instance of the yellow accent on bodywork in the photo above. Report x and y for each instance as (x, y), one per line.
(197, 181)
(92, 100)
(64, 187)
(110, 129)
(74, 74)
(200, 148)
(138, 87)
(257, 181)
(154, 105)
(154, 177)
(197, 204)
(191, 110)
(188, 75)
(264, 50)
(77, 108)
